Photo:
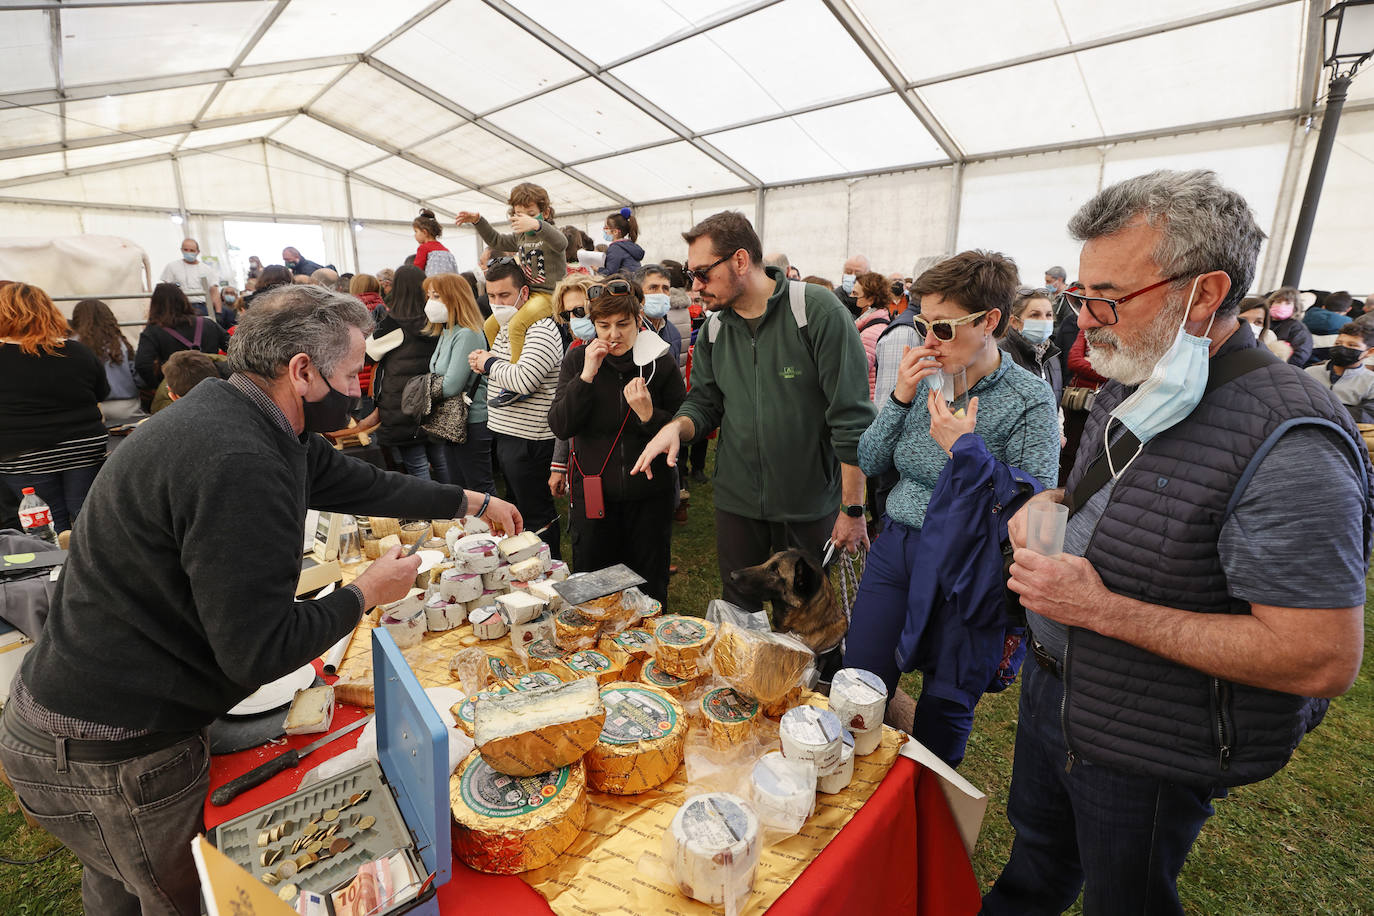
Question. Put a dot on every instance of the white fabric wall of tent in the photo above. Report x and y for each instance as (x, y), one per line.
(899, 129)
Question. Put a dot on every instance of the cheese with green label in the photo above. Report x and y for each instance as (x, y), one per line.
(729, 715)
(505, 824)
(641, 741)
(534, 731)
(683, 646)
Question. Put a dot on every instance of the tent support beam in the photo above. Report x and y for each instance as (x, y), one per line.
(181, 192)
(218, 214)
(352, 232)
(350, 175)
(55, 50)
(1283, 210)
(121, 164)
(18, 152)
(252, 43)
(956, 203)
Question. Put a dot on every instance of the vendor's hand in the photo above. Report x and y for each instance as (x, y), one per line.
(1016, 526)
(558, 483)
(917, 363)
(1064, 588)
(597, 351)
(945, 426)
(477, 359)
(466, 217)
(504, 516)
(849, 533)
(637, 396)
(389, 578)
(666, 442)
(522, 223)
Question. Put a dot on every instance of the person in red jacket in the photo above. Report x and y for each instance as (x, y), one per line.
(432, 257)
(1076, 405)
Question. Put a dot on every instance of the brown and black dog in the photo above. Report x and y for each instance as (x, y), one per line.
(803, 600)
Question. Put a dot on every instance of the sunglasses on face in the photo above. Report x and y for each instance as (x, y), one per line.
(609, 288)
(945, 328)
(703, 274)
(1104, 311)
(578, 311)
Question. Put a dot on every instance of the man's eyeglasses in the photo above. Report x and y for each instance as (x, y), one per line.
(703, 274)
(1104, 311)
(609, 288)
(945, 328)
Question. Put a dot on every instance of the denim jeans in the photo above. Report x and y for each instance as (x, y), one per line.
(525, 464)
(63, 491)
(1120, 837)
(469, 464)
(130, 822)
(418, 459)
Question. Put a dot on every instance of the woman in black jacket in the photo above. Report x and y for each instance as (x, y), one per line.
(613, 395)
(402, 352)
(173, 325)
(1028, 341)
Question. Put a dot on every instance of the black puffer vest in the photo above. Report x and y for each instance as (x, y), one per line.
(1157, 542)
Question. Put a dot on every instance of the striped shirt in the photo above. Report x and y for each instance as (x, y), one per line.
(535, 374)
(64, 456)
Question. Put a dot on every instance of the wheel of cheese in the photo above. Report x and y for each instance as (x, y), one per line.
(813, 734)
(764, 666)
(712, 847)
(729, 716)
(670, 684)
(839, 778)
(441, 615)
(405, 621)
(638, 644)
(586, 663)
(477, 553)
(574, 630)
(683, 645)
(858, 698)
(534, 679)
(783, 791)
(505, 825)
(488, 623)
(542, 653)
(641, 741)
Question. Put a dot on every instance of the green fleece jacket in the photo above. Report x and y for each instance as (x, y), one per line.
(791, 405)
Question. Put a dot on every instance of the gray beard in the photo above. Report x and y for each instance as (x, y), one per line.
(1111, 360)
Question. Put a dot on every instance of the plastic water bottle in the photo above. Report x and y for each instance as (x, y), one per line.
(36, 518)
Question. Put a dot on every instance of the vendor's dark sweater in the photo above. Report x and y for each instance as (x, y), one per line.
(178, 599)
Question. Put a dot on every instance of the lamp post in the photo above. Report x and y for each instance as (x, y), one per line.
(1348, 40)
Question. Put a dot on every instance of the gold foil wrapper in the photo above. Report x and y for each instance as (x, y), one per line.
(511, 845)
(684, 646)
(765, 666)
(632, 768)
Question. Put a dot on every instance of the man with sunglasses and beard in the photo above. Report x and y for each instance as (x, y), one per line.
(780, 368)
(1194, 611)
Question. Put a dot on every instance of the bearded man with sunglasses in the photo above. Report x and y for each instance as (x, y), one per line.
(780, 368)
(1195, 609)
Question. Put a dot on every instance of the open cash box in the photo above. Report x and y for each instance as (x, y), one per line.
(403, 804)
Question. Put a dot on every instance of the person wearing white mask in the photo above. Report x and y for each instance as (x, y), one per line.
(520, 428)
(1192, 615)
(1028, 340)
(451, 310)
(657, 286)
(614, 394)
(198, 280)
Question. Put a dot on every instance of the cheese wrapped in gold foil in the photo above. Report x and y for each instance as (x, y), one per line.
(505, 825)
(759, 664)
(533, 731)
(641, 742)
(683, 646)
(729, 716)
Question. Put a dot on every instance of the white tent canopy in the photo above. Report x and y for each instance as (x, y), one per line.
(902, 129)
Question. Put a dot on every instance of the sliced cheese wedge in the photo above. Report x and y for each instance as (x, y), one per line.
(534, 731)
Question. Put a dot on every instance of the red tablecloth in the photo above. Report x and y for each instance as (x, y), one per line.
(901, 853)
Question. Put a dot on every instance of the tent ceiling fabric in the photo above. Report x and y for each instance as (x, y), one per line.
(623, 101)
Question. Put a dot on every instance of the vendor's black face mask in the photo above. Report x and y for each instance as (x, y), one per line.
(329, 413)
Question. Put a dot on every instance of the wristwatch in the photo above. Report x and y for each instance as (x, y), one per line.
(853, 511)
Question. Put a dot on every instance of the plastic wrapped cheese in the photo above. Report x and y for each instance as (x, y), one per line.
(729, 716)
(783, 791)
(638, 644)
(505, 825)
(712, 847)
(522, 634)
(683, 646)
(520, 546)
(641, 741)
(533, 731)
(858, 698)
(837, 780)
(520, 607)
(574, 630)
(813, 734)
(762, 665)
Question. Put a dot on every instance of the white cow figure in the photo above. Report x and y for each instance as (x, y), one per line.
(81, 265)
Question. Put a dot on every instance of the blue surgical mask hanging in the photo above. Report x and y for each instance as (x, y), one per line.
(1175, 386)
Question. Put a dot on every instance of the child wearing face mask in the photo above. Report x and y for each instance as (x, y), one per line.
(623, 254)
(1345, 373)
(538, 246)
(1285, 320)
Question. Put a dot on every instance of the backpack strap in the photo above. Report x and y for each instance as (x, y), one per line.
(796, 295)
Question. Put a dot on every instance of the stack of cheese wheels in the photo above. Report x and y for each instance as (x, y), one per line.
(729, 716)
(574, 630)
(813, 734)
(683, 646)
(534, 731)
(505, 825)
(838, 779)
(784, 791)
(476, 553)
(712, 847)
(672, 685)
(641, 741)
(859, 699)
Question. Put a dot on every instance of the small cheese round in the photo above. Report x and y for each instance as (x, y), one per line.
(670, 684)
(683, 645)
(729, 716)
(838, 780)
(784, 791)
(477, 553)
(641, 741)
(574, 630)
(712, 847)
(505, 825)
(809, 733)
(460, 586)
(488, 623)
(587, 663)
(867, 741)
(858, 698)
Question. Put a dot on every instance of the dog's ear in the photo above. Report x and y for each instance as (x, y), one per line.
(806, 577)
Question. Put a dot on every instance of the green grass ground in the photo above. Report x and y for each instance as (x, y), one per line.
(1300, 843)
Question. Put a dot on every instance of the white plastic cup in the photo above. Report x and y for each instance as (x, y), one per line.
(1045, 525)
(954, 387)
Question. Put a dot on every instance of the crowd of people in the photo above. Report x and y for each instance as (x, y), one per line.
(1181, 644)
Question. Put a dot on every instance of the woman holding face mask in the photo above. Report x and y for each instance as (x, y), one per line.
(966, 302)
(1285, 320)
(613, 395)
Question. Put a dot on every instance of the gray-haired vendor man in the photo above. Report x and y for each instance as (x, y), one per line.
(178, 599)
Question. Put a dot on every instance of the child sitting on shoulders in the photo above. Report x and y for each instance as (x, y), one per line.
(432, 257)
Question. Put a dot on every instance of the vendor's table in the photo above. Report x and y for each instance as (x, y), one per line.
(901, 853)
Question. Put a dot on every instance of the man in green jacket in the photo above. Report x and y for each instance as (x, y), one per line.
(779, 367)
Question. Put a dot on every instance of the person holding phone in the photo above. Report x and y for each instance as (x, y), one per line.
(613, 395)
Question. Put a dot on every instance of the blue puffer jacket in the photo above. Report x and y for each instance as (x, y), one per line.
(957, 621)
